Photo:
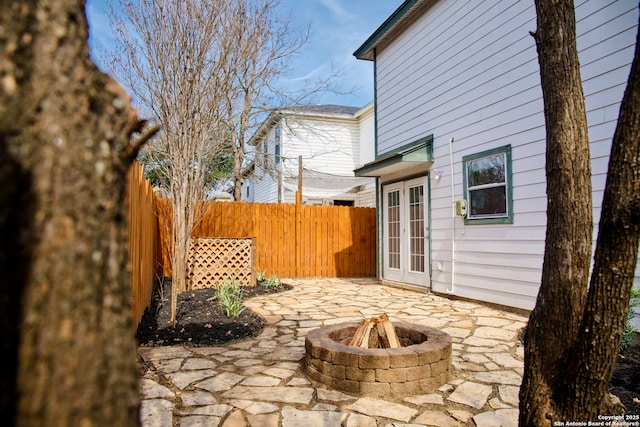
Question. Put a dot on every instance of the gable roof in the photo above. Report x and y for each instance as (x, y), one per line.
(403, 16)
(323, 109)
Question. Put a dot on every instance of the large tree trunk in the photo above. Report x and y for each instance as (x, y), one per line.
(572, 339)
(554, 322)
(64, 132)
(593, 360)
(238, 160)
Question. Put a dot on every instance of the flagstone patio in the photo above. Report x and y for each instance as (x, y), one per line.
(260, 382)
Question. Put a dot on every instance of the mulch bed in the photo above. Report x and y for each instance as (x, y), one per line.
(201, 321)
(625, 382)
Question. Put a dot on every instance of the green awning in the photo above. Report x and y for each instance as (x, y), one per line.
(417, 154)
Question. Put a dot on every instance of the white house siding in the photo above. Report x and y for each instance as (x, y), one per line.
(248, 189)
(265, 189)
(469, 71)
(609, 45)
(366, 153)
(366, 120)
(326, 145)
(265, 185)
(366, 197)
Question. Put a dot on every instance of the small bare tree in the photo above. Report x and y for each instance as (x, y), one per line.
(206, 71)
(172, 55)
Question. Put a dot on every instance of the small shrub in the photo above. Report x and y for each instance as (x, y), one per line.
(229, 294)
(260, 276)
(272, 282)
(629, 330)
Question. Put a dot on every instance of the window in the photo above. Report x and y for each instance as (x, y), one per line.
(265, 153)
(277, 132)
(277, 153)
(487, 187)
(276, 136)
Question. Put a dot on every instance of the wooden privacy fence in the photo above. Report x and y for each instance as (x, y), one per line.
(290, 240)
(286, 240)
(143, 239)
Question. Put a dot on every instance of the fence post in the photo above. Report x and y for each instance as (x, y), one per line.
(298, 233)
(299, 220)
(254, 239)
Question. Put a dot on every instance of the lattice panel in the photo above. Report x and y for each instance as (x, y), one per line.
(212, 261)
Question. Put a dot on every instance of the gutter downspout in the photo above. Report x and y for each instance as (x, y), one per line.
(453, 220)
(379, 232)
(429, 239)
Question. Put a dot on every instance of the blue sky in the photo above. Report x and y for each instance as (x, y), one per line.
(338, 28)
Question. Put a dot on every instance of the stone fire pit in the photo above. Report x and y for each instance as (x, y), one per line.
(420, 366)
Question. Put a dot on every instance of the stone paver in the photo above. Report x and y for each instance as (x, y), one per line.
(435, 399)
(271, 394)
(499, 418)
(436, 418)
(197, 398)
(150, 389)
(292, 417)
(359, 420)
(510, 394)
(184, 378)
(471, 394)
(156, 413)
(380, 408)
(498, 377)
(222, 382)
(260, 382)
(218, 410)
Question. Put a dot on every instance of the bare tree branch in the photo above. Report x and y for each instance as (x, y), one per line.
(173, 56)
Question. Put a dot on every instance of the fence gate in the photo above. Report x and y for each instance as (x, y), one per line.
(213, 260)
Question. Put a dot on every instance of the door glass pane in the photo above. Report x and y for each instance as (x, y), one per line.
(416, 228)
(393, 225)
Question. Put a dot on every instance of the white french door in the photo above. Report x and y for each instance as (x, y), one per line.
(406, 232)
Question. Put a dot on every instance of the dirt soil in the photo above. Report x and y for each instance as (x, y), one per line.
(200, 321)
(625, 382)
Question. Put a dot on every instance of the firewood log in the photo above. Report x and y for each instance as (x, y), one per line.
(357, 337)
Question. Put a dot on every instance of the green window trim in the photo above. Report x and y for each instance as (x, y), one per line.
(488, 184)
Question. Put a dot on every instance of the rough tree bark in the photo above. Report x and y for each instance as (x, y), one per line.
(574, 331)
(64, 148)
(603, 319)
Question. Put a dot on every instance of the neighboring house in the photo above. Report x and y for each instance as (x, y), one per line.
(459, 119)
(329, 139)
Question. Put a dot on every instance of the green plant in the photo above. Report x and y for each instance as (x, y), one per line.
(272, 282)
(629, 330)
(260, 276)
(229, 294)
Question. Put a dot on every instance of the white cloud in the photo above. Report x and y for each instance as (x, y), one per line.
(337, 10)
